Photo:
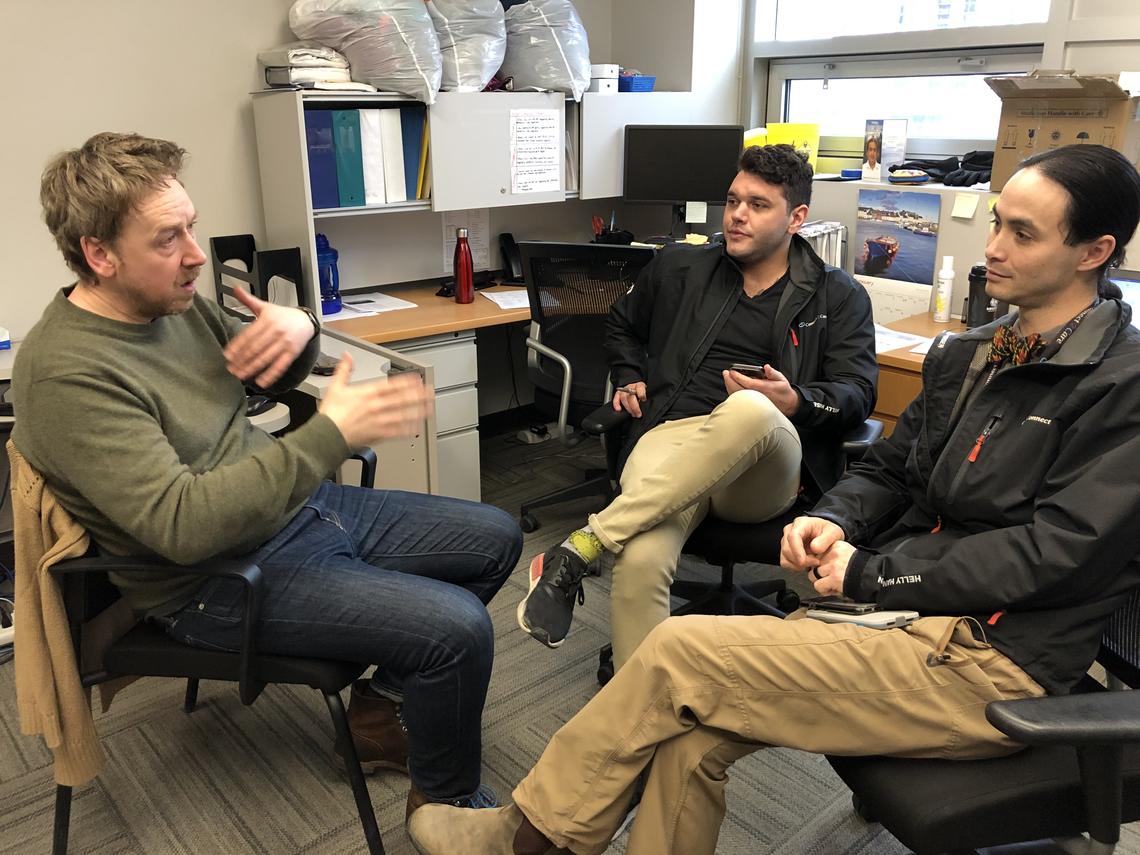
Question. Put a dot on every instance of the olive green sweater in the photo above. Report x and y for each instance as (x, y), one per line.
(141, 433)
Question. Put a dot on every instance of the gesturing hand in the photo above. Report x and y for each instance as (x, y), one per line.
(630, 398)
(774, 386)
(380, 409)
(267, 347)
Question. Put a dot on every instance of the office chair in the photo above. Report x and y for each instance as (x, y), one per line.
(146, 651)
(726, 544)
(1080, 773)
(571, 288)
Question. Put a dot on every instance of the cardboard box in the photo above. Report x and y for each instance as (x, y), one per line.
(1049, 109)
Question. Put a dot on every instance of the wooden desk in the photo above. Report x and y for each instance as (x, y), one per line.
(433, 315)
(900, 371)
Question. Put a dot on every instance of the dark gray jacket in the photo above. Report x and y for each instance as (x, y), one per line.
(661, 330)
(1023, 512)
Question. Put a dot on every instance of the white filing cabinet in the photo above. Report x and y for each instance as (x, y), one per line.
(453, 358)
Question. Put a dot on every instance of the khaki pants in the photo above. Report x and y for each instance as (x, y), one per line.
(742, 461)
(703, 691)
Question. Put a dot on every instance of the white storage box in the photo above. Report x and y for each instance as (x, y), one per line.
(605, 70)
(604, 85)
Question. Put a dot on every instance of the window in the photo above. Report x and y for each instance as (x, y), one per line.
(948, 106)
(795, 20)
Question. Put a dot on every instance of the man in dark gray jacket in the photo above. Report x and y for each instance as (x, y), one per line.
(1003, 509)
(710, 433)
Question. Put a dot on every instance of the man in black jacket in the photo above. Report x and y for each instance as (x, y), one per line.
(1003, 509)
(707, 433)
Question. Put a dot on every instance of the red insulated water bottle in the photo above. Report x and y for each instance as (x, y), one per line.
(464, 269)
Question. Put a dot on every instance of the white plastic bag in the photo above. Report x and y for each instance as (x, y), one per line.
(472, 40)
(390, 43)
(547, 47)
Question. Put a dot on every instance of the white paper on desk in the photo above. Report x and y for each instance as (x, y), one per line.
(888, 339)
(535, 164)
(518, 299)
(476, 221)
(923, 347)
(892, 300)
(367, 305)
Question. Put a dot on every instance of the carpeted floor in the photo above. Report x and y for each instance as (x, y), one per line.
(234, 779)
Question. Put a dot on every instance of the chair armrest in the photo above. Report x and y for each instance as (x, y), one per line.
(248, 573)
(861, 437)
(604, 419)
(367, 458)
(1099, 718)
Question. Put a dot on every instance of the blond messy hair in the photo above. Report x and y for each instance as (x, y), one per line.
(88, 191)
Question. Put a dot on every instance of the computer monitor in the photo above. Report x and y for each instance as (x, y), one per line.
(675, 164)
(1128, 281)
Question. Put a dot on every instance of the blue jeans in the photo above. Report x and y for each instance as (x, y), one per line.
(389, 578)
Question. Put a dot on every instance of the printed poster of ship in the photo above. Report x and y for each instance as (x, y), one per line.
(896, 235)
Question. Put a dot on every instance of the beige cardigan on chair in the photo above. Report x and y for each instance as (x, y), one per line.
(50, 697)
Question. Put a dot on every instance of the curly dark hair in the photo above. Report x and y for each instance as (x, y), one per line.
(783, 166)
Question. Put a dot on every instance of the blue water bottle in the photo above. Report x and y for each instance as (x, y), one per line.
(328, 276)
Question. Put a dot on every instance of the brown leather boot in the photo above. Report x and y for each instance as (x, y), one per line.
(377, 733)
(437, 829)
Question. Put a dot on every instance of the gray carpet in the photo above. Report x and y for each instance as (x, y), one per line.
(234, 779)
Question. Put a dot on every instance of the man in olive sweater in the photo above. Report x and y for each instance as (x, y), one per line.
(131, 400)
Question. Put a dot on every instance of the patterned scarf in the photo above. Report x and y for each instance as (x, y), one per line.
(1008, 345)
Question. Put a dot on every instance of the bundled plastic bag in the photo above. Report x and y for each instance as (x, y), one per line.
(472, 40)
(547, 47)
(390, 43)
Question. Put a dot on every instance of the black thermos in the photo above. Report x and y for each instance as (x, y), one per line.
(980, 307)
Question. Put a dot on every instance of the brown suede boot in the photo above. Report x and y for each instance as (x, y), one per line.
(377, 733)
(437, 829)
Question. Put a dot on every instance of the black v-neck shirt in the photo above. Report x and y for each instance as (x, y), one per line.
(747, 336)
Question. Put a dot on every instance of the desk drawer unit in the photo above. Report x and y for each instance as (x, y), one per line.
(897, 388)
(453, 359)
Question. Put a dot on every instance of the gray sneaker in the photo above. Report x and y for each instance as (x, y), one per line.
(555, 583)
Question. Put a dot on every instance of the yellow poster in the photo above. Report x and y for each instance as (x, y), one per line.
(804, 138)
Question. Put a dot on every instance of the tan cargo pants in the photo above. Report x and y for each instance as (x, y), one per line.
(742, 461)
(703, 691)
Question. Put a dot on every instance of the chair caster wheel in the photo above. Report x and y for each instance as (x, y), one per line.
(605, 673)
(605, 665)
(864, 812)
(787, 601)
(528, 523)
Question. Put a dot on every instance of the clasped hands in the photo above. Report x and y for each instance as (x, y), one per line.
(773, 385)
(817, 546)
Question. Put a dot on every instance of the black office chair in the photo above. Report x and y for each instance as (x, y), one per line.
(725, 544)
(571, 288)
(146, 651)
(1081, 772)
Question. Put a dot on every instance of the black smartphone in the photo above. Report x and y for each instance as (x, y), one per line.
(747, 370)
(325, 366)
(841, 604)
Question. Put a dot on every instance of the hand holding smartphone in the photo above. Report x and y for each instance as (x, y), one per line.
(754, 371)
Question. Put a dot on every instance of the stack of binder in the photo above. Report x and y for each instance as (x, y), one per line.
(373, 156)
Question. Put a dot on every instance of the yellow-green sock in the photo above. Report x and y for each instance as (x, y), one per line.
(585, 543)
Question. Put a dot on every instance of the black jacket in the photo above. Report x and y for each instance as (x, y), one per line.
(1025, 513)
(662, 328)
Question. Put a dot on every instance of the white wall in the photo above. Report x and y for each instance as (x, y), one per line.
(179, 71)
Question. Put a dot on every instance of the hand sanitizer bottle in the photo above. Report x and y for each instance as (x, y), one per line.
(945, 287)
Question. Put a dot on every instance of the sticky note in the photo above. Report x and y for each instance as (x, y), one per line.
(696, 212)
(965, 204)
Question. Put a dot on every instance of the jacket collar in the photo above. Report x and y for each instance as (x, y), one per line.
(1086, 346)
